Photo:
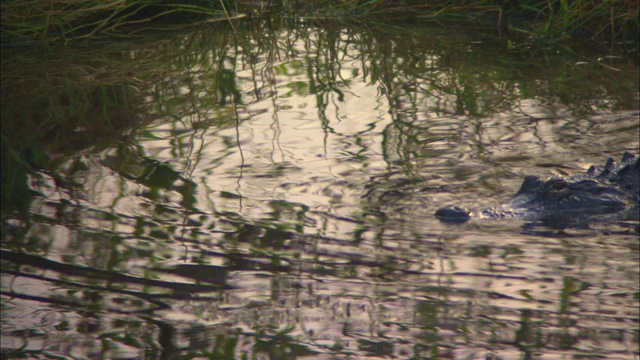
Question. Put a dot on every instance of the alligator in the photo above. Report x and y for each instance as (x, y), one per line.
(603, 192)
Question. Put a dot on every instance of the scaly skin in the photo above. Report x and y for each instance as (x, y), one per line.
(601, 191)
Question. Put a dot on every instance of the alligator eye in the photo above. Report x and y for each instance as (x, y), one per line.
(558, 186)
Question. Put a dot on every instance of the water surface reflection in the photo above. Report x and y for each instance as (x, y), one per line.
(277, 202)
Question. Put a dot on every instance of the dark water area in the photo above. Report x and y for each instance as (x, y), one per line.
(269, 193)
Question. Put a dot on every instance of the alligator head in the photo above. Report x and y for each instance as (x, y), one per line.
(607, 189)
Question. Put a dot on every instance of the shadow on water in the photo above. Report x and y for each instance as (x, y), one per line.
(270, 193)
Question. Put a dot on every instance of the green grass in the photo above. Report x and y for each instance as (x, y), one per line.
(50, 20)
(544, 20)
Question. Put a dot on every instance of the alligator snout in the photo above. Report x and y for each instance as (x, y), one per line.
(453, 214)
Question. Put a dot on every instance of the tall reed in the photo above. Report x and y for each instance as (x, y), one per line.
(77, 19)
(548, 20)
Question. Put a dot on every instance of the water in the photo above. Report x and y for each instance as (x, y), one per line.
(270, 194)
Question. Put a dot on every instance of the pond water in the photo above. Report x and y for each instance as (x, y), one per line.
(271, 196)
